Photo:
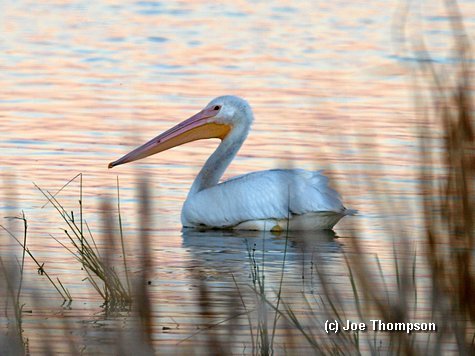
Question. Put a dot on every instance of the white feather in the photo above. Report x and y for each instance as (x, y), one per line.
(264, 195)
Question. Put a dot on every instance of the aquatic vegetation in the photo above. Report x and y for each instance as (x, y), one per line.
(63, 292)
(101, 274)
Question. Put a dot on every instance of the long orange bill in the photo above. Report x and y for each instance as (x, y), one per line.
(195, 128)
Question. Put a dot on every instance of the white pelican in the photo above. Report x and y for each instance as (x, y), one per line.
(277, 199)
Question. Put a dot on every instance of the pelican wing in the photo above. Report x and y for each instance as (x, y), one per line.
(271, 194)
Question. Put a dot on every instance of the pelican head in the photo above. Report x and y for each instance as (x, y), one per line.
(234, 111)
(221, 116)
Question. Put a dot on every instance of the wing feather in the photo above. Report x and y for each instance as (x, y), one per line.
(271, 194)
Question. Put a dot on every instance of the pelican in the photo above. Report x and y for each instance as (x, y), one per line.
(275, 200)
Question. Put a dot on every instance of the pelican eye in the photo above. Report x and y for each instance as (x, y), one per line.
(217, 107)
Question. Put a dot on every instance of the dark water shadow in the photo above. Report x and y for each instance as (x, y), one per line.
(229, 250)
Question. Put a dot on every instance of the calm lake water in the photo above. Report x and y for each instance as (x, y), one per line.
(82, 83)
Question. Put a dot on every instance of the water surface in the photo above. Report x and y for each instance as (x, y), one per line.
(82, 83)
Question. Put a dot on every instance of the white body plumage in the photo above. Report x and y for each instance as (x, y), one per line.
(267, 200)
